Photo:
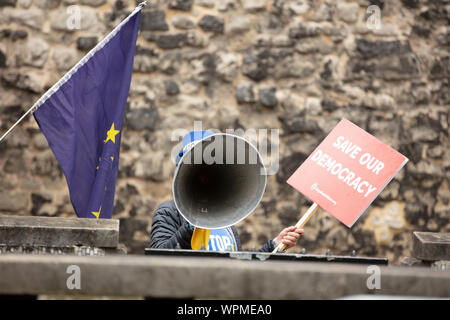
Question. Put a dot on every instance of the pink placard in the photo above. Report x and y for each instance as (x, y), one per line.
(347, 171)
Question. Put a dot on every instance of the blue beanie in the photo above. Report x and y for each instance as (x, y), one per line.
(188, 142)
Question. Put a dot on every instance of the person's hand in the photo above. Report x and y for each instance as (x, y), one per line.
(289, 236)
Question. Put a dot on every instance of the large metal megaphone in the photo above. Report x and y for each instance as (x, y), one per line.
(219, 181)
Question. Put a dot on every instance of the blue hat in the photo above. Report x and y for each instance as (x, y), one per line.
(189, 141)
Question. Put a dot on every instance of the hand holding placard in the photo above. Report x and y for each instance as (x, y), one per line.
(304, 219)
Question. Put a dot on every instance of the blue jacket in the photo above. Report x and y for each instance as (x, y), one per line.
(169, 228)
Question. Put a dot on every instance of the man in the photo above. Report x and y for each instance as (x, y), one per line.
(170, 230)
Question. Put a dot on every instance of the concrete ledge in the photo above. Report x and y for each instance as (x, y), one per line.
(58, 232)
(431, 246)
(189, 277)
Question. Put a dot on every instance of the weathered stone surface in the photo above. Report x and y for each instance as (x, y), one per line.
(132, 230)
(424, 134)
(169, 63)
(25, 3)
(33, 18)
(299, 124)
(34, 53)
(86, 43)
(196, 40)
(93, 3)
(314, 45)
(244, 93)
(292, 67)
(38, 199)
(440, 68)
(171, 41)
(369, 49)
(254, 5)
(289, 164)
(44, 163)
(152, 166)
(206, 3)
(227, 66)
(3, 57)
(303, 29)
(59, 232)
(239, 279)
(48, 4)
(154, 21)
(302, 60)
(203, 67)
(30, 81)
(6, 32)
(171, 88)
(390, 68)
(62, 20)
(347, 12)
(184, 5)
(5, 3)
(145, 60)
(394, 60)
(441, 265)
(19, 34)
(425, 169)
(435, 152)
(267, 97)
(431, 246)
(238, 24)
(12, 202)
(411, 262)
(142, 118)
(255, 67)
(15, 162)
(411, 3)
(211, 23)
(183, 22)
(65, 58)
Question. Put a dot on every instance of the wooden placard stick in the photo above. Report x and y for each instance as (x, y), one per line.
(303, 220)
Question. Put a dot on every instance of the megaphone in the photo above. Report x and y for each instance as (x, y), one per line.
(219, 181)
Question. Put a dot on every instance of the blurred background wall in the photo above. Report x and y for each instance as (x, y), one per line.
(299, 66)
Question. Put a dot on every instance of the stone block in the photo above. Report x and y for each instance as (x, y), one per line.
(195, 277)
(58, 232)
(431, 246)
(154, 21)
(183, 5)
(254, 5)
(209, 23)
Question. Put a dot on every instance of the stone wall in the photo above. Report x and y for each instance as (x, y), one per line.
(296, 65)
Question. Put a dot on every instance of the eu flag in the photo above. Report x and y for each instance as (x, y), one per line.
(81, 117)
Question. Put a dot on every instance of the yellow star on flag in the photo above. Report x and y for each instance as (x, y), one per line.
(97, 213)
(112, 134)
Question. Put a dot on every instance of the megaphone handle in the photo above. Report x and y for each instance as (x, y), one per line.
(303, 220)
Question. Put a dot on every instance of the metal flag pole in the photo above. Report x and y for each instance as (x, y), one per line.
(69, 74)
(15, 124)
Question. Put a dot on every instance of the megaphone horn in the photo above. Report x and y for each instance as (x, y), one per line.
(219, 181)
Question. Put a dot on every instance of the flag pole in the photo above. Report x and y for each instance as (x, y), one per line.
(303, 220)
(15, 124)
(69, 74)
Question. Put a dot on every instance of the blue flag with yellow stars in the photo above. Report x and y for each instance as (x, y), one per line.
(81, 117)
